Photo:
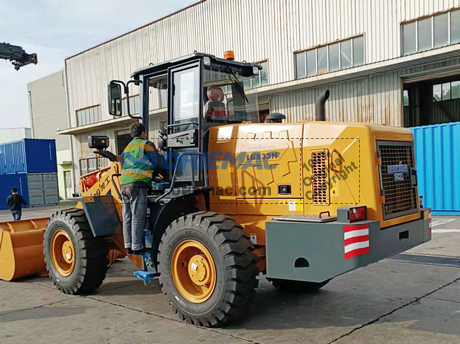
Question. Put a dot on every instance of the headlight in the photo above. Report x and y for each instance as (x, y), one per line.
(255, 70)
(206, 61)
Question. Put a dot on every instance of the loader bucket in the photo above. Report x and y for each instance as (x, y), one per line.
(21, 248)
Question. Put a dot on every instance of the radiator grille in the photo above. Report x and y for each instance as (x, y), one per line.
(321, 178)
(400, 194)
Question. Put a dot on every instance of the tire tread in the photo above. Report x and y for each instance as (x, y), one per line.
(93, 259)
(240, 265)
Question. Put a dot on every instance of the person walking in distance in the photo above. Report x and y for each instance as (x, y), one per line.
(139, 161)
(15, 202)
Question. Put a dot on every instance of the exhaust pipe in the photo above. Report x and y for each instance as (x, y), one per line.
(320, 108)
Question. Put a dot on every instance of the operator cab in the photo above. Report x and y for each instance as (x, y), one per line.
(200, 91)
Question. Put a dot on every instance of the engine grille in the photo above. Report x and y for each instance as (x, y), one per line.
(321, 178)
(400, 194)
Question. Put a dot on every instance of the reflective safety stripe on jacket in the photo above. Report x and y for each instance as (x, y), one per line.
(138, 162)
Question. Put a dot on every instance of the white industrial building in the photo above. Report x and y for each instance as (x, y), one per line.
(394, 62)
(14, 134)
(49, 114)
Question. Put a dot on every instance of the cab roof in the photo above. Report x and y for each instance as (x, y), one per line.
(243, 68)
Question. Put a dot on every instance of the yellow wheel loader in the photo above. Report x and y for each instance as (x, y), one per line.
(299, 202)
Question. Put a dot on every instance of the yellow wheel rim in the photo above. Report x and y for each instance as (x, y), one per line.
(193, 271)
(62, 252)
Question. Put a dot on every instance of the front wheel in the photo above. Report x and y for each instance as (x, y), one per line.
(208, 268)
(76, 261)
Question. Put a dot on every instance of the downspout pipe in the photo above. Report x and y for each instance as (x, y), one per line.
(320, 108)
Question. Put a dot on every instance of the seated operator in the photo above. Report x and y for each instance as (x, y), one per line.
(214, 109)
(140, 162)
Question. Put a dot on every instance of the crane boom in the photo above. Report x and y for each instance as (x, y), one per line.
(17, 55)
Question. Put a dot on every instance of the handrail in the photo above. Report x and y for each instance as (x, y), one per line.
(115, 185)
(173, 181)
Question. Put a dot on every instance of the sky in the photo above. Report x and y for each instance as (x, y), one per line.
(55, 30)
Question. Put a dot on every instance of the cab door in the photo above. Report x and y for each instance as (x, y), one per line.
(184, 120)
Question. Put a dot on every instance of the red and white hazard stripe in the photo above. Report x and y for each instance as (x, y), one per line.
(356, 240)
(429, 221)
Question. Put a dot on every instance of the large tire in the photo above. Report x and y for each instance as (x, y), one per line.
(83, 268)
(231, 251)
(298, 286)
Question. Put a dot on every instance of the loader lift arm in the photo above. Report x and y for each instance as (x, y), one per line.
(17, 55)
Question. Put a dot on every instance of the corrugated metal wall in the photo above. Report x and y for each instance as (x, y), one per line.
(256, 30)
(372, 99)
(446, 111)
(28, 156)
(438, 166)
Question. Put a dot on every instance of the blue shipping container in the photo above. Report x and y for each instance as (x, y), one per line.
(28, 156)
(437, 154)
(9, 181)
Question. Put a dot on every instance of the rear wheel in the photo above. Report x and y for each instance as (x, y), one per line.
(76, 261)
(208, 270)
(298, 286)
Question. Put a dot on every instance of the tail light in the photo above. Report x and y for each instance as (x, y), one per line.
(357, 213)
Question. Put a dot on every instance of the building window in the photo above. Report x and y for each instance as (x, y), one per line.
(446, 91)
(431, 32)
(454, 27)
(455, 89)
(89, 115)
(329, 58)
(334, 57)
(322, 60)
(134, 105)
(358, 51)
(405, 98)
(437, 92)
(259, 80)
(89, 165)
(409, 40)
(311, 62)
(441, 35)
(424, 34)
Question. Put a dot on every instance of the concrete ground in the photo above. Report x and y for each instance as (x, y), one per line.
(398, 300)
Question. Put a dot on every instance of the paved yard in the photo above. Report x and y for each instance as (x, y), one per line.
(399, 300)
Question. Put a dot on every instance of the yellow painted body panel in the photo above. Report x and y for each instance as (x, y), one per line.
(269, 155)
(104, 186)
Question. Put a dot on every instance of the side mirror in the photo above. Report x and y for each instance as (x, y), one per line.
(115, 108)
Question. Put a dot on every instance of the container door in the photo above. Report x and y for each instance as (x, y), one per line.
(50, 188)
(35, 184)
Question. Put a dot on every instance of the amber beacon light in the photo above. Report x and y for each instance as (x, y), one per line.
(229, 55)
